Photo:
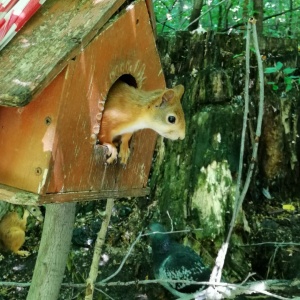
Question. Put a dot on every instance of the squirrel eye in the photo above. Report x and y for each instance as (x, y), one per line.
(171, 119)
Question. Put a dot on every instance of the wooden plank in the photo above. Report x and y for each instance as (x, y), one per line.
(20, 197)
(27, 135)
(56, 34)
(17, 196)
(150, 7)
(92, 196)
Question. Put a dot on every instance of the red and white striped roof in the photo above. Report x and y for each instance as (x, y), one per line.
(13, 16)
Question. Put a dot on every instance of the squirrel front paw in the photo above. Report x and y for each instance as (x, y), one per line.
(112, 152)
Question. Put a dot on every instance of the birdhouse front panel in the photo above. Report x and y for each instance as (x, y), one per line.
(51, 144)
(27, 135)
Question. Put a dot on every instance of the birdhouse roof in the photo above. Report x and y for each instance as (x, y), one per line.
(41, 49)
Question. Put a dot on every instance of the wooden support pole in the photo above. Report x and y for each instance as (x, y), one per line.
(53, 252)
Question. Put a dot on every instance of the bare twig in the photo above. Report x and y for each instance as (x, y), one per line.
(171, 221)
(246, 279)
(98, 249)
(105, 294)
(276, 244)
(259, 287)
(169, 9)
(245, 119)
(19, 284)
(236, 25)
(217, 270)
(124, 259)
(206, 12)
(132, 246)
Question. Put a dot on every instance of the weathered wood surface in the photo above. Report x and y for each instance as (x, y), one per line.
(56, 34)
(48, 146)
(17, 196)
(26, 137)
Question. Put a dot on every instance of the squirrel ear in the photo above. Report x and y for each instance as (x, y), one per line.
(179, 90)
(165, 98)
(168, 95)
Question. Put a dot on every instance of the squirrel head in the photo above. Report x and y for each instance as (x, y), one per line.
(168, 114)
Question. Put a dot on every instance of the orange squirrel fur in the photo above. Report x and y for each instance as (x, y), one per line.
(128, 109)
(12, 232)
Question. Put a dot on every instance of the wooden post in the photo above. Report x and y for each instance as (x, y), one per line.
(53, 252)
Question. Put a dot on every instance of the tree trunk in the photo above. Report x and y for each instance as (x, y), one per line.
(258, 7)
(195, 15)
(53, 252)
(193, 180)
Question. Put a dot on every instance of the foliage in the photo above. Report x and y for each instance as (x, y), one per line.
(286, 73)
(172, 15)
(281, 18)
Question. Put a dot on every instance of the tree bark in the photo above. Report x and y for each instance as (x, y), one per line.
(192, 180)
(196, 12)
(53, 252)
(258, 7)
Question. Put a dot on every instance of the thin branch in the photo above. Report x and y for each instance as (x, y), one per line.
(169, 9)
(259, 122)
(18, 284)
(131, 249)
(217, 270)
(243, 136)
(171, 221)
(258, 287)
(98, 250)
(249, 288)
(164, 25)
(102, 292)
(264, 19)
(124, 259)
(276, 244)
(202, 15)
(248, 276)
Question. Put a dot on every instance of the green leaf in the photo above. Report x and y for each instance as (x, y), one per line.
(275, 87)
(238, 55)
(288, 80)
(279, 65)
(288, 207)
(288, 87)
(288, 71)
(270, 70)
(270, 82)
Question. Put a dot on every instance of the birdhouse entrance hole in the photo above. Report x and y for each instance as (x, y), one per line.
(112, 118)
(129, 79)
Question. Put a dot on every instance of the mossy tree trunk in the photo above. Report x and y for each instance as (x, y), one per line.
(194, 179)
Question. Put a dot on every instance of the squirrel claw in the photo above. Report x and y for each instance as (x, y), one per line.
(111, 153)
(111, 159)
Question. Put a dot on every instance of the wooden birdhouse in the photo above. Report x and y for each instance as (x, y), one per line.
(55, 77)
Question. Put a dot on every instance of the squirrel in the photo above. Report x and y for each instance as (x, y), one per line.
(12, 232)
(128, 109)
